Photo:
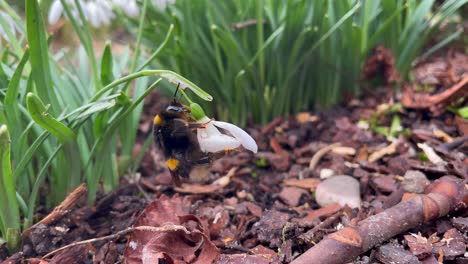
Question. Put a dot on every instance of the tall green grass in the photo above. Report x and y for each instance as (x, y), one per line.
(264, 58)
(67, 118)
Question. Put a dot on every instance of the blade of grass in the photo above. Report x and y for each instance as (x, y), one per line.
(38, 46)
(9, 210)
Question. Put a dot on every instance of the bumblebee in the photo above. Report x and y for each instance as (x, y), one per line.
(174, 132)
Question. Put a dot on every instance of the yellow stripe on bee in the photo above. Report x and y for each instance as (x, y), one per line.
(172, 164)
(157, 120)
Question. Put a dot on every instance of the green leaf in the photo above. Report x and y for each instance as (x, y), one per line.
(107, 65)
(37, 39)
(96, 108)
(395, 127)
(185, 83)
(9, 210)
(39, 114)
(11, 100)
(463, 112)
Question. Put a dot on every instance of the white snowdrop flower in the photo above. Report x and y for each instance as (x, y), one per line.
(92, 14)
(97, 12)
(11, 26)
(212, 140)
(55, 12)
(130, 7)
(162, 4)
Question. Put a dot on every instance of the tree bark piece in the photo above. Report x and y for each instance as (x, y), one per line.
(447, 194)
(62, 209)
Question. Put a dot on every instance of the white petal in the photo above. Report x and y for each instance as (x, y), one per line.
(55, 12)
(11, 26)
(104, 12)
(131, 9)
(93, 16)
(119, 3)
(215, 143)
(212, 140)
(210, 128)
(245, 139)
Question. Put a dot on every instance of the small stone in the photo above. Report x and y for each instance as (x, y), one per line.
(415, 181)
(391, 253)
(326, 173)
(341, 189)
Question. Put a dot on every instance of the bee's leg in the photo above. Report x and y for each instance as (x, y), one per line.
(220, 154)
(198, 125)
(174, 165)
(202, 161)
(175, 178)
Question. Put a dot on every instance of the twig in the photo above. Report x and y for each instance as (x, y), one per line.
(136, 179)
(165, 228)
(62, 209)
(444, 196)
(319, 154)
(390, 149)
(431, 154)
(449, 146)
(424, 100)
(308, 237)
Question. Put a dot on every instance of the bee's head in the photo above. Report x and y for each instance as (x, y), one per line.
(177, 110)
(177, 107)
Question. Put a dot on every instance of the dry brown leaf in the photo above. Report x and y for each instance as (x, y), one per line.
(304, 117)
(308, 183)
(431, 154)
(177, 245)
(381, 63)
(388, 150)
(202, 189)
(345, 151)
(442, 135)
(435, 102)
(313, 215)
(319, 154)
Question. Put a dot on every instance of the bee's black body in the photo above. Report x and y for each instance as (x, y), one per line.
(174, 133)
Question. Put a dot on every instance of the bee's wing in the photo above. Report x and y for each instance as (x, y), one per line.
(180, 128)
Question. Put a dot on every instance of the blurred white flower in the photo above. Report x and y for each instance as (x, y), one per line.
(97, 12)
(55, 12)
(130, 7)
(162, 4)
(11, 26)
(212, 140)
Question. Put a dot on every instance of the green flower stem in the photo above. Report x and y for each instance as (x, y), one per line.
(139, 37)
(168, 75)
(185, 96)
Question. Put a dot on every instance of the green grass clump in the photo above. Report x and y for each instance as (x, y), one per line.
(264, 58)
(66, 118)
